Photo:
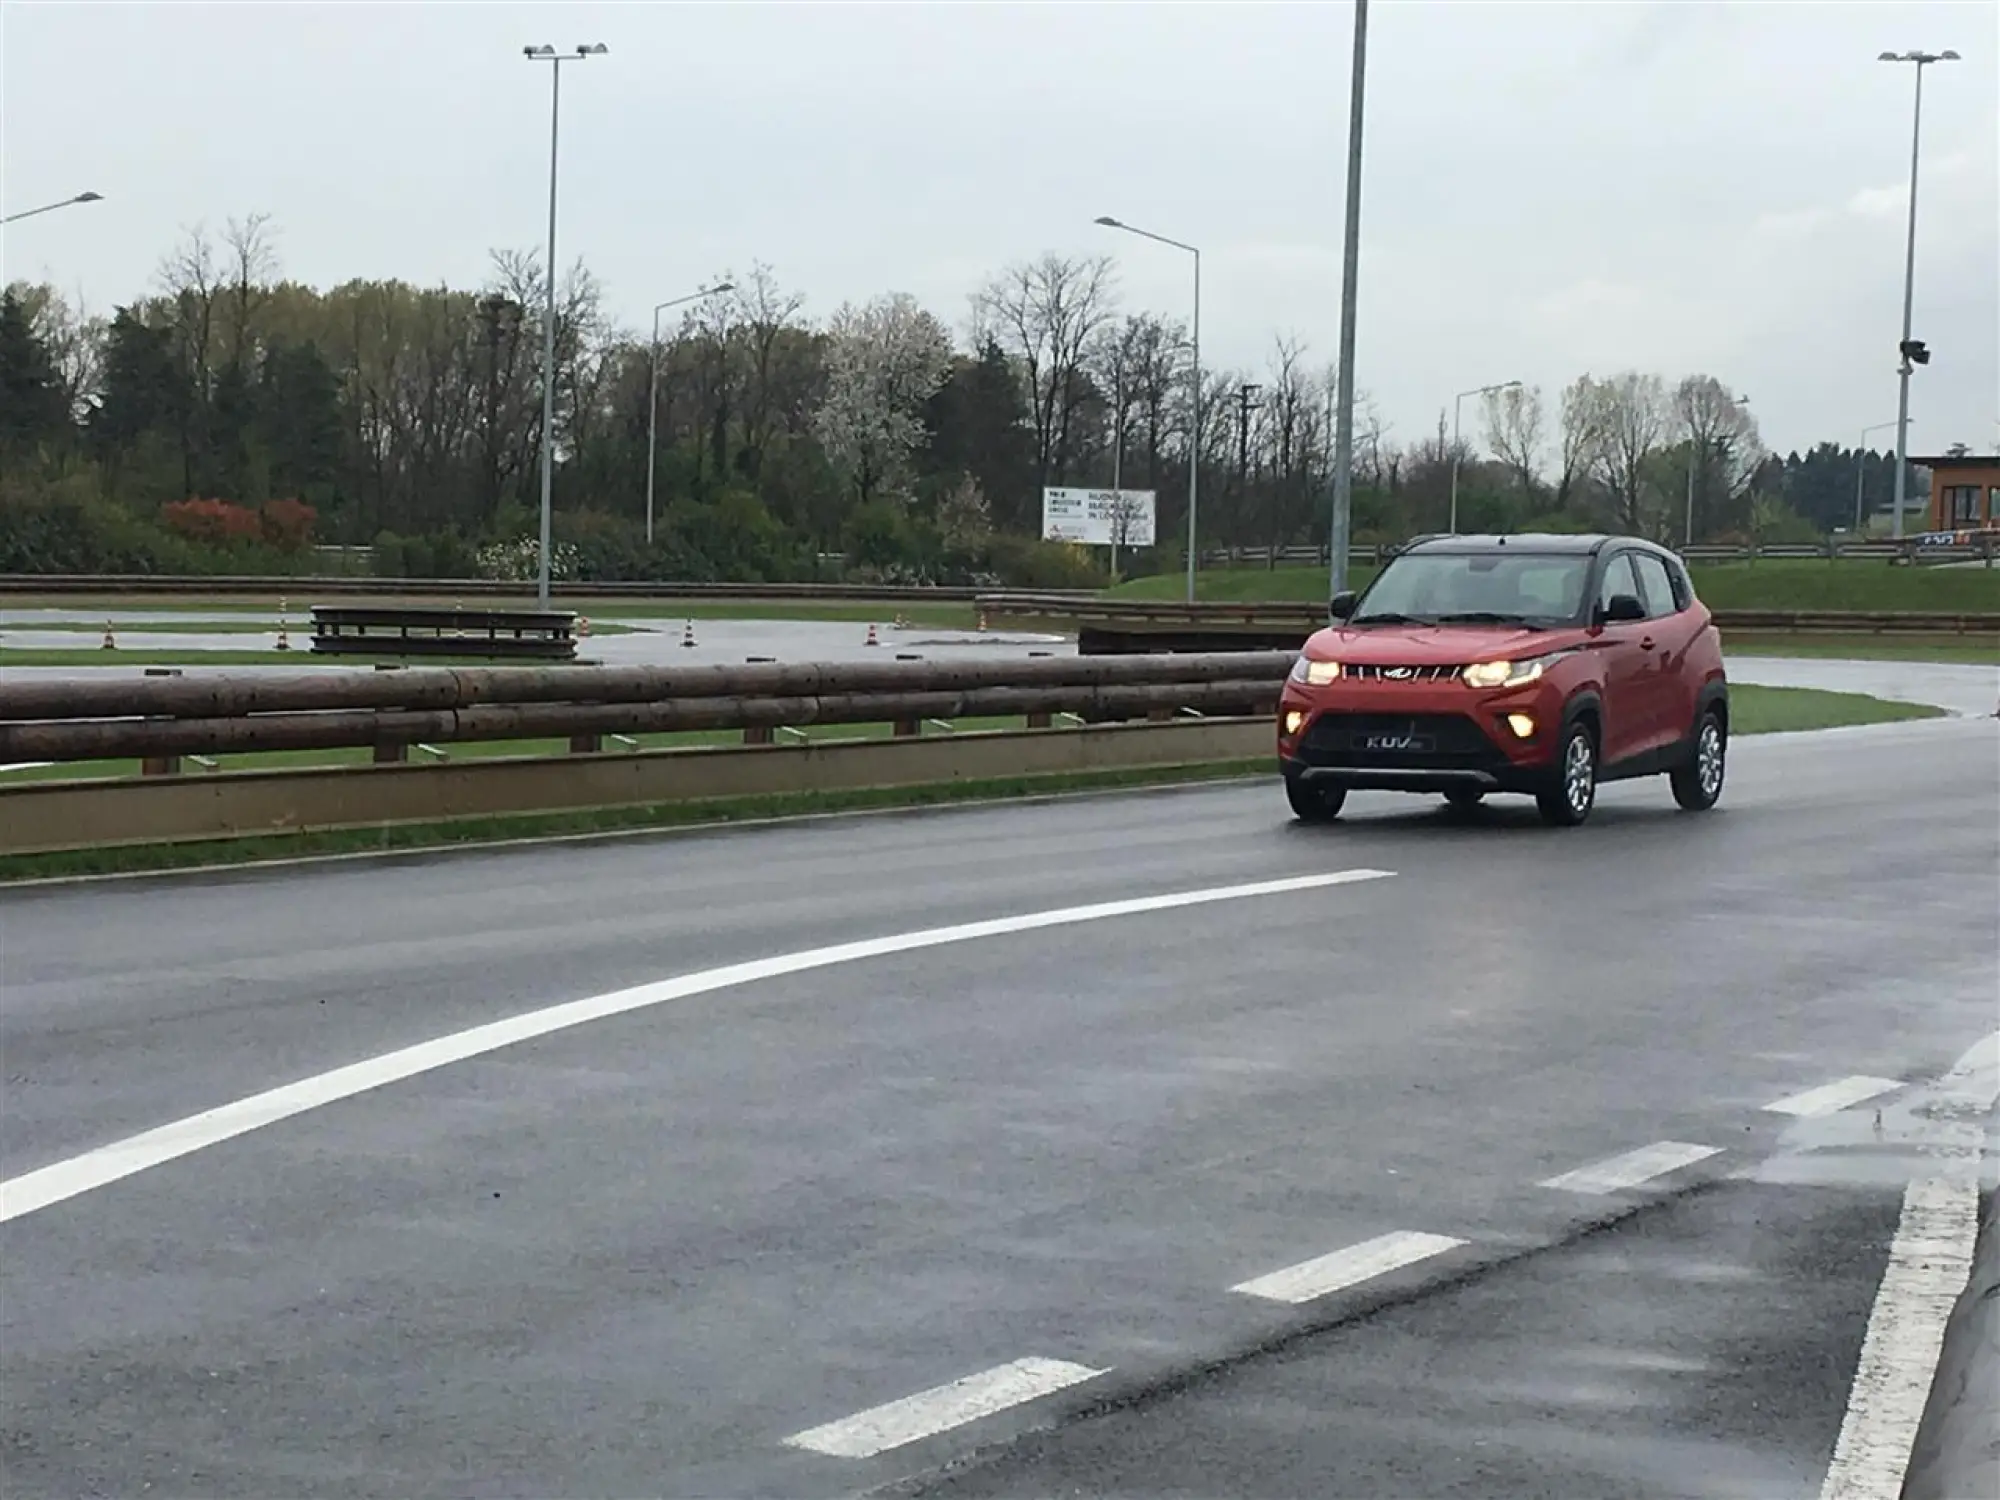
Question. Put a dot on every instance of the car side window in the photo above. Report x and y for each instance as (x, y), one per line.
(1659, 587)
(1618, 579)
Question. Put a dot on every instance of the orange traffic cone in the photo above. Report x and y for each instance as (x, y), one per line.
(872, 640)
(583, 627)
(284, 635)
(110, 644)
(982, 619)
(687, 636)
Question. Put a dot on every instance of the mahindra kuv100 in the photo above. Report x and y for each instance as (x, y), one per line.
(1534, 664)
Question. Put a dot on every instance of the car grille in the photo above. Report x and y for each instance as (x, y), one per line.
(1372, 673)
(1446, 742)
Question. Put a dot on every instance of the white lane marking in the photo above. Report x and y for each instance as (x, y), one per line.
(1633, 1168)
(107, 1164)
(1831, 1098)
(1350, 1267)
(941, 1408)
(1930, 1261)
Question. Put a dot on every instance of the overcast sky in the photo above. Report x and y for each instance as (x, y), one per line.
(1549, 188)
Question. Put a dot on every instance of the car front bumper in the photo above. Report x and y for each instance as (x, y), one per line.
(1433, 736)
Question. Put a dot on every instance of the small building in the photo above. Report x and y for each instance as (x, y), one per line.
(1965, 490)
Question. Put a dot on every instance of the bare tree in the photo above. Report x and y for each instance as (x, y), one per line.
(1044, 313)
(765, 313)
(1515, 432)
(251, 266)
(1580, 439)
(1634, 414)
(1723, 448)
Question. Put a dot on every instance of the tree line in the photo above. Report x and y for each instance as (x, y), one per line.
(232, 418)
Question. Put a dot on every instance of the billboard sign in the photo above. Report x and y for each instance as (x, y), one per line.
(1098, 518)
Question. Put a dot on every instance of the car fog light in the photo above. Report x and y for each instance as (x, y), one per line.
(1523, 725)
(1293, 719)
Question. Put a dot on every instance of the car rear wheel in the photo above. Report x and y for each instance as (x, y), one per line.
(1698, 784)
(1569, 800)
(1465, 798)
(1314, 801)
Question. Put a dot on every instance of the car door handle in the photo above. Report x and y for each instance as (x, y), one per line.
(1645, 643)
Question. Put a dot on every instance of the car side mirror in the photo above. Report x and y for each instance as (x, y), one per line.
(1621, 609)
(1341, 605)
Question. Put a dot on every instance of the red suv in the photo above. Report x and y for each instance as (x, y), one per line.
(1536, 664)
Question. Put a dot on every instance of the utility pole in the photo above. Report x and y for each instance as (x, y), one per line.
(1244, 406)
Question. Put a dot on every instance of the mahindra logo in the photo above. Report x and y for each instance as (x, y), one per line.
(1400, 672)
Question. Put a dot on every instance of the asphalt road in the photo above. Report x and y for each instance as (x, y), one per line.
(639, 1255)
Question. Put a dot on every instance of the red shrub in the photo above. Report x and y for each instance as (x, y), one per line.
(288, 524)
(211, 520)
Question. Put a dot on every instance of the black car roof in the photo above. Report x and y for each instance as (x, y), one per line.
(1546, 543)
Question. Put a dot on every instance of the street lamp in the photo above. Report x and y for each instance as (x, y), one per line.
(1921, 59)
(1687, 534)
(653, 389)
(49, 208)
(1860, 468)
(555, 60)
(1457, 404)
(1194, 456)
(1338, 526)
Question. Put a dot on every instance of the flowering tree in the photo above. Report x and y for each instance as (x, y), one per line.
(884, 361)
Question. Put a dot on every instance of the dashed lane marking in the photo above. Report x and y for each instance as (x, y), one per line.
(1314, 1278)
(1831, 1098)
(1633, 1168)
(942, 1408)
(107, 1164)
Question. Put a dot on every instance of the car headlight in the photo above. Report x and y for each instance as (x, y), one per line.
(1315, 673)
(1506, 674)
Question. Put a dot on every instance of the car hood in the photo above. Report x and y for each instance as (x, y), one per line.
(1434, 645)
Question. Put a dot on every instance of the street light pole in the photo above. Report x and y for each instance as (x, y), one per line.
(555, 60)
(1194, 454)
(653, 389)
(1921, 59)
(1860, 468)
(1457, 405)
(1340, 523)
(49, 208)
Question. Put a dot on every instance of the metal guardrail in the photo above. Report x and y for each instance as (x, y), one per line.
(158, 720)
(1253, 616)
(476, 588)
(379, 630)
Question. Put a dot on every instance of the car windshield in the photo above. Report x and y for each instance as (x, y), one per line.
(1485, 588)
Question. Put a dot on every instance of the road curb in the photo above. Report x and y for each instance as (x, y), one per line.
(1957, 1451)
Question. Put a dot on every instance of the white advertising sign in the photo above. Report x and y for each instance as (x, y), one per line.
(1098, 518)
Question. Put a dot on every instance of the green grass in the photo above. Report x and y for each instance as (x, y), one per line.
(464, 750)
(1776, 710)
(662, 816)
(124, 656)
(1753, 710)
(1979, 650)
(1778, 583)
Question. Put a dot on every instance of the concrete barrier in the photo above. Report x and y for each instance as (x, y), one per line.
(50, 816)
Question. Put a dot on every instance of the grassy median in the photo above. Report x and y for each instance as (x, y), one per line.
(1754, 710)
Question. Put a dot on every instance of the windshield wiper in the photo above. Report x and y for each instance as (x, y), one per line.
(1390, 618)
(1489, 617)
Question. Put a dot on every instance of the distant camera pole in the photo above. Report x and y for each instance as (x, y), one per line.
(555, 60)
(1194, 447)
(1921, 59)
(1457, 402)
(653, 388)
(49, 208)
(1343, 417)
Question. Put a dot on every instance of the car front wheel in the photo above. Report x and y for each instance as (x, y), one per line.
(1314, 801)
(1698, 783)
(1569, 800)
